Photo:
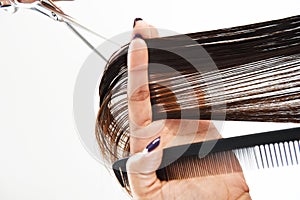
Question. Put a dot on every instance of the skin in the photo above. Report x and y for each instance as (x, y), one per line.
(6, 2)
(142, 166)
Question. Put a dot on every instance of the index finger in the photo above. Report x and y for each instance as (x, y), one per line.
(139, 106)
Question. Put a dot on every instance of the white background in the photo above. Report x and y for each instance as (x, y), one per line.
(41, 156)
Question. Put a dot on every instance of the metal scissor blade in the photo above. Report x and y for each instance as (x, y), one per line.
(85, 41)
(70, 20)
(62, 17)
(48, 8)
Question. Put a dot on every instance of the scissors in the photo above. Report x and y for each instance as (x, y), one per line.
(49, 9)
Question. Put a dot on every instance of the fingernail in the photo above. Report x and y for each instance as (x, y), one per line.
(135, 20)
(152, 145)
(138, 36)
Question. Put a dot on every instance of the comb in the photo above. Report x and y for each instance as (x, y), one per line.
(265, 150)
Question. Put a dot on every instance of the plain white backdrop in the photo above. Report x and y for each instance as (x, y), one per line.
(41, 155)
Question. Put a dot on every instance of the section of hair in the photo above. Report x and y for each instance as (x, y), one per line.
(259, 69)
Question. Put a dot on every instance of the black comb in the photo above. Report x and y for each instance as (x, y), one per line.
(278, 148)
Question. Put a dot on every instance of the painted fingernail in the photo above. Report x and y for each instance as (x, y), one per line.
(152, 145)
(138, 36)
(135, 20)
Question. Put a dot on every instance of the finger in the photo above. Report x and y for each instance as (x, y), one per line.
(141, 169)
(5, 3)
(140, 112)
(31, 1)
(143, 28)
(154, 31)
(139, 106)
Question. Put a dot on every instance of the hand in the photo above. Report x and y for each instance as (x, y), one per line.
(142, 166)
(7, 2)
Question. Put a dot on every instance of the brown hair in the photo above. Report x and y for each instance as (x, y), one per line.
(259, 69)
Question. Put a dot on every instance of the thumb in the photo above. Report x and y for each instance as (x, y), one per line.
(141, 170)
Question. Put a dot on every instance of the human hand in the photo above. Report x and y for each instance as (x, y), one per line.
(8, 2)
(141, 167)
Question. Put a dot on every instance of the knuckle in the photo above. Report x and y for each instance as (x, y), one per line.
(146, 121)
(134, 162)
(140, 94)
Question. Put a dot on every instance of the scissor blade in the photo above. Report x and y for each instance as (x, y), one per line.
(72, 21)
(85, 41)
(48, 8)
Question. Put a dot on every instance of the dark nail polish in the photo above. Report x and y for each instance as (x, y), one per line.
(150, 147)
(138, 36)
(135, 20)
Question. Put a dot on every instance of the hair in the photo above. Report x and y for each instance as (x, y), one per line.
(245, 73)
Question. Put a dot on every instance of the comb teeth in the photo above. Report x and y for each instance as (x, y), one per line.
(266, 156)
(269, 155)
(193, 166)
